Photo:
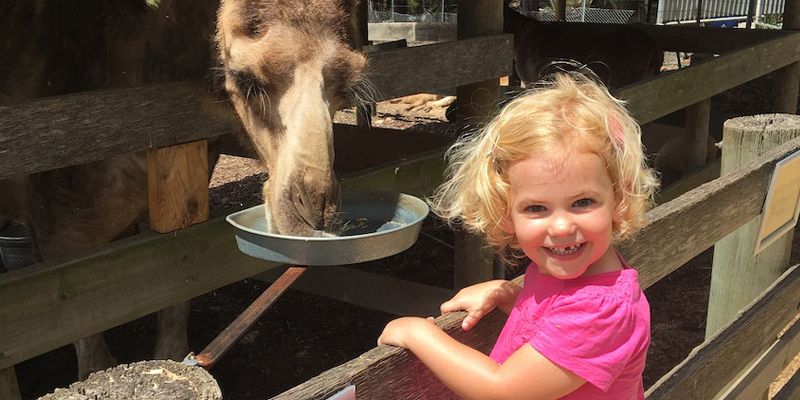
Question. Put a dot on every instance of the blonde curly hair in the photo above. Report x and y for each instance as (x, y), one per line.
(570, 112)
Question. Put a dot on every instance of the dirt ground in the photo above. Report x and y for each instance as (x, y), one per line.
(304, 335)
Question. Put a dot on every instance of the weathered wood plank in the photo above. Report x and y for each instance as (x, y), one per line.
(133, 277)
(84, 127)
(695, 39)
(683, 228)
(791, 390)
(694, 179)
(9, 389)
(177, 182)
(710, 366)
(364, 289)
(761, 374)
(679, 229)
(417, 176)
(125, 280)
(90, 126)
(444, 65)
(685, 38)
(390, 373)
(672, 91)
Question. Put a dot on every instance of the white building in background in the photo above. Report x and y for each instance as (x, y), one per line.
(686, 11)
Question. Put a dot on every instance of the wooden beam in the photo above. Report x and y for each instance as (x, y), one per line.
(696, 135)
(93, 292)
(691, 181)
(760, 375)
(9, 389)
(746, 138)
(670, 92)
(85, 127)
(177, 182)
(685, 227)
(678, 230)
(475, 104)
(90, 126)
(425, 69)
(696, 39)
(790, 390)
(710, 366)
(377, 292)
(388, 372)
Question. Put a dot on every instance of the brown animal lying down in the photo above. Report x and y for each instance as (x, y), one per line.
(618, 55)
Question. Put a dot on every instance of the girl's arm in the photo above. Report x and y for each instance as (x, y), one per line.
(480, 299)
(472, 374)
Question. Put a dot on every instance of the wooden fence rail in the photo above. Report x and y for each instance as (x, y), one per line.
(679, 230)
(90, 293)
(84, 127)
(90, 126)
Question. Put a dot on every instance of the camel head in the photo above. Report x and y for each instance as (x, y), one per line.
(288, 66)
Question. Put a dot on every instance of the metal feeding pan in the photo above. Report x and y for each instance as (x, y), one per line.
(374, 225)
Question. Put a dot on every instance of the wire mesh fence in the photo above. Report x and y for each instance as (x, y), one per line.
(413, 11)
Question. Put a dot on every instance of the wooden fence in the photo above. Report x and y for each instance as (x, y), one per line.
(678, 231)
(88, 293)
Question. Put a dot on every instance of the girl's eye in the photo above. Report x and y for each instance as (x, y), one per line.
(536, 209)
(583, 203)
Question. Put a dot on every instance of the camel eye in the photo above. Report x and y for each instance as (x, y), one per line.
(245, 82)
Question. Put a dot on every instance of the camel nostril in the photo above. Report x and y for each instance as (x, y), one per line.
(301, 202)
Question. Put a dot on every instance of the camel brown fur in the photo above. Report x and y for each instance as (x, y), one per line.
(618, 55)
(287, 65)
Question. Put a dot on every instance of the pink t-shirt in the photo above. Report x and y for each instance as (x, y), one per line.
(597, 326)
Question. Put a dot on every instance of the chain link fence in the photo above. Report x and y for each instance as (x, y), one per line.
(413, 11)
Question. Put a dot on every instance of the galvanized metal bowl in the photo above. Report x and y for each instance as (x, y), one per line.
(375, 225)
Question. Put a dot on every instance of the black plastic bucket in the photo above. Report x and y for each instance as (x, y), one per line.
(16, 248)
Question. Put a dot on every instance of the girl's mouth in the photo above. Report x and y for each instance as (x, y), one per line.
(565, 251)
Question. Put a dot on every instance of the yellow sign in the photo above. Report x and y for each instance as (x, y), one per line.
(782, 207)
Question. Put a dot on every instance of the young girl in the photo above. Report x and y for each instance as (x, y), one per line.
(557, 177)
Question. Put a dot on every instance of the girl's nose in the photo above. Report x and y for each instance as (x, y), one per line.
(561, 225)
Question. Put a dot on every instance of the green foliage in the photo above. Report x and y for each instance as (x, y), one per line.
(153, 3)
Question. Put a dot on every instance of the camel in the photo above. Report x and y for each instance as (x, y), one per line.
(278, 68)
(618, 55)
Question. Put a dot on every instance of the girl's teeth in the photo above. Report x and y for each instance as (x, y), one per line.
(565, 251)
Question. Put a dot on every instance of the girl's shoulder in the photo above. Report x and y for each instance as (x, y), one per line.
(608, 293)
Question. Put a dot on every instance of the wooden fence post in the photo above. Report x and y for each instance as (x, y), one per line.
(177, 185)
(476, 101)
(738, 276)
(787, 79)
(9, 389)
(177, 179)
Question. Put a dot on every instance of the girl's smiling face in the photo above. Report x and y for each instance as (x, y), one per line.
(562, 212)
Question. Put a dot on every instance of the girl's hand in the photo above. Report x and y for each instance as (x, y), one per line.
(399, 330)
(480, 299)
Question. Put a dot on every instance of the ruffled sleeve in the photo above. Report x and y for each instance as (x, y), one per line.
(594, 335)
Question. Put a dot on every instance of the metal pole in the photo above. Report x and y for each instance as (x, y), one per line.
(583, 10)
(699, 11)
(392, 10)
(751, 7)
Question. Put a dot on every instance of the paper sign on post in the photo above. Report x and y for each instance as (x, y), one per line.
(782, 206)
